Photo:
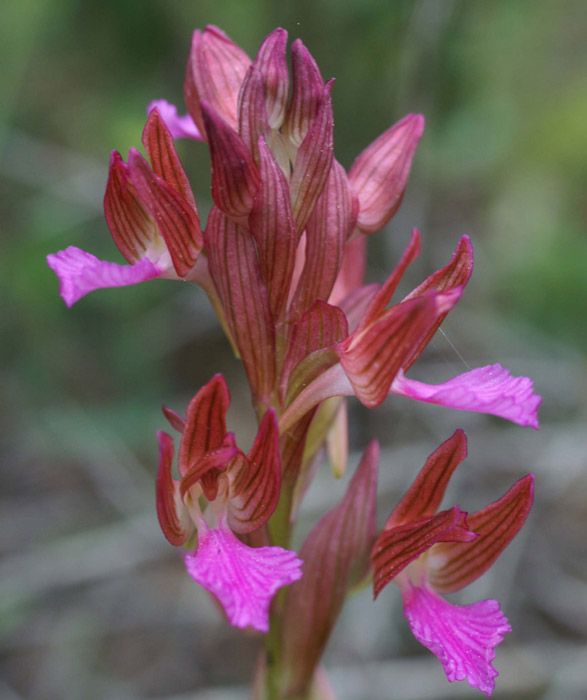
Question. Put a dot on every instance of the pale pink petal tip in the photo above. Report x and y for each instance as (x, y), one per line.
(463, 637)
(243, 579)
(490, 389)
(80, 273)
(179, 127)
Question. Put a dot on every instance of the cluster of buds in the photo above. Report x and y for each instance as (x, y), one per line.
(282, 259)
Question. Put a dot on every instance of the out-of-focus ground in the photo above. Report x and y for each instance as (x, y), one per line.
(94, 603)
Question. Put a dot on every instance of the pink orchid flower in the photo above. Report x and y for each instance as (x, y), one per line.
(370, 362)
(152, 216)
(242, 492)
(425, 552)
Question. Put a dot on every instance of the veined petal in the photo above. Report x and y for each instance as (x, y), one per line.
(169, 507)
(177, 220)
(215, 72)
(252, 111)
(313, 162)
(372, 359)
(205, 425)
(182, 127)
(242, 578)
(271, 223)
(80, 273)
(209, 467)
(320, 327)
(234, 266)
(368, 361)
(335, 556)
(165, 162)
(271, 61)
(397, 547)
(462, 637)
(425, 494)
(327, 230)
(306, 94)
(455, 275)
(455, 566)
(235, 177)
(255, 483)
(490, 389)
(380, 173)
(132, 227)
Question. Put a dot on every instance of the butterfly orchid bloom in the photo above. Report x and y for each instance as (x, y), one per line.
(426, 552)
(241, 492)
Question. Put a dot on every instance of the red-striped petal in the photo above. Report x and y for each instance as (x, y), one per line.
(380, 173)
(234, 267)
(456, 274)
(171, 523)
(322, 326)
(397, 547)
(271, 223)
(215, 72)
(272, 62)
(235, 178)
(497, 524)
(178, 222)
(336, 557)
(313, 162)
(425, 494)
(306, 94)
(130, 223)
(328, 228)
(165, 162)
(205, 426)
(255, 482)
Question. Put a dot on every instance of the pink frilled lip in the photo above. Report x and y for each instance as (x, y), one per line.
(80, 273)
(490, 389)
(244, 579)
(463, 637)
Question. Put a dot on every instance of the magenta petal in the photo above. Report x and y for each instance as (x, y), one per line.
(490, 389)
(244, 579)
(80, 273)
(463, 637)
(180, 127)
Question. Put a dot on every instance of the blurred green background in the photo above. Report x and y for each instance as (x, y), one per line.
(93, 602)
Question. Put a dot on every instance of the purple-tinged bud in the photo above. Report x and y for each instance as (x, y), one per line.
(215, 72)
(327, 230)
(132, 227)
(306, 96)
(169, 511)
(272, 62)
(313, 162)
(271, 223)
(235, 178)
(336, 557)
(178, 222)
(380, 173)
(252, 112)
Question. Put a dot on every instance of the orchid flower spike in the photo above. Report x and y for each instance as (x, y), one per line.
(426, 552)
